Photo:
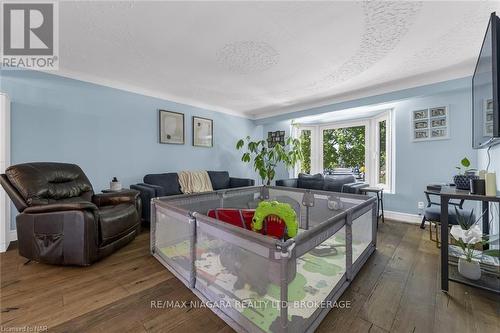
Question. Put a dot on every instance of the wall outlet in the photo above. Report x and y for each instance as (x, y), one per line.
(420, 206)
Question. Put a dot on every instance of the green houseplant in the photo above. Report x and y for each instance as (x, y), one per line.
(265, 159)
(465, 174)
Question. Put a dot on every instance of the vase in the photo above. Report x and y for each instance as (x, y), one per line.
(469, 269)
(462, 182)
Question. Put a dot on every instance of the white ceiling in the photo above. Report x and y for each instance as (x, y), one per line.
(259, 59)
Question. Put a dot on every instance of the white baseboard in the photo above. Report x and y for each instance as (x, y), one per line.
(403, 217)
(13, 235)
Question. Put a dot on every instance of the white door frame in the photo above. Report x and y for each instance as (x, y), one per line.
(5, 232)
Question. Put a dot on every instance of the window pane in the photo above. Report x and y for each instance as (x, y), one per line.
(344, 147)
(305, 145)
(382, 137)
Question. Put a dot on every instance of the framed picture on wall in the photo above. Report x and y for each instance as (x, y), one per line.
(431, 124)
(171, 127)
(203, 132)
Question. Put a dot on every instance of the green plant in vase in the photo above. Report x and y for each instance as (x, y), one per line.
(469, 237)
(465, 174)
(265, 159)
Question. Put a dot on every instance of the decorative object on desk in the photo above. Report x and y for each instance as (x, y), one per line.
(265, 160)
(482, 174)
(277, 137)
(171, 127)
(468, 235)
(491, 184)
(203, 132)
(115, 185)
(462, 180)
(478, 186)
(430, 124)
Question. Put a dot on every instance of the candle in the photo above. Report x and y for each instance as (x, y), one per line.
(491, 184)
(482, 174)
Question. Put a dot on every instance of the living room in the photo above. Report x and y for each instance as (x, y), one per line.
(219, 166)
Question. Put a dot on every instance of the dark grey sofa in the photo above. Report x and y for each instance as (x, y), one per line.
(334, 183)
(166, 184)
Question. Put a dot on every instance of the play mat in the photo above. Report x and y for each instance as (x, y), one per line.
(318, 272)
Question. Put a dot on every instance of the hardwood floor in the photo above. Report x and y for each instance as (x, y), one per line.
(396, 291)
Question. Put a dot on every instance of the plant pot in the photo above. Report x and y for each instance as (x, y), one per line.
(462, 182)
(469, 269)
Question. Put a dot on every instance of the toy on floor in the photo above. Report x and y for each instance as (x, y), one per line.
(271, 218)
(274, 214)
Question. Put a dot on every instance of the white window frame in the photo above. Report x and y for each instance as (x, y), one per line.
(372, 148)
(314, 148)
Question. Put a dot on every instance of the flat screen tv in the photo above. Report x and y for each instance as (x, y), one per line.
(485, 89)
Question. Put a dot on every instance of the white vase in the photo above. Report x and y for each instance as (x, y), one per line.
(469, 269)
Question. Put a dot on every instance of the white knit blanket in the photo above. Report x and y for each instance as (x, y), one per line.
(194, 182)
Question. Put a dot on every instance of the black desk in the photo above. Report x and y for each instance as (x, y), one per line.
(446, 194)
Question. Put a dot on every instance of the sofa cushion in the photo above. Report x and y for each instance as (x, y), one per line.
(313, 182)
(220, 179)
(116, 221)
(335, 183)
(168, 181)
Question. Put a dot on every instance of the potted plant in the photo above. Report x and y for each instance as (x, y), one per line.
(266, 159)
(462, 180)
(468, 236)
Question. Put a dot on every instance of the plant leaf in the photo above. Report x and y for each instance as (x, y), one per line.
(492, 253)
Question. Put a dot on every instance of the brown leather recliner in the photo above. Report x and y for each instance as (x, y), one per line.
(61, 220)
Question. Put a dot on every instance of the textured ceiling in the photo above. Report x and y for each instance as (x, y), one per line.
(265, 58)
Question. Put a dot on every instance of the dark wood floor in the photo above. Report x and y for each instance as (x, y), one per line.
(396, 291)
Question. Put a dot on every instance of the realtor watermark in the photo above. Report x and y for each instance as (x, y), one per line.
(249, 304)
(24, 328)
(30, 35)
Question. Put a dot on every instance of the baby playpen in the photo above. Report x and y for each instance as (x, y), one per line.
(257, 283)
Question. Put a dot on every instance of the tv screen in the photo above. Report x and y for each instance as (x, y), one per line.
(485, 90)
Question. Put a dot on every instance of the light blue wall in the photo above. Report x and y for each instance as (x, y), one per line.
(110, 132)
(417, 163)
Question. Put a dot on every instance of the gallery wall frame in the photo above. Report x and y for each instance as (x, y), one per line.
(203, 132)
(171, 127)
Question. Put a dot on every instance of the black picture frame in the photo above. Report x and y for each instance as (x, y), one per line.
(161, 139)
(194, 119)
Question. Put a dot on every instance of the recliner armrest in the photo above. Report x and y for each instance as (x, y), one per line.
(240, 182)
(111, 199)
(292, 182)
(147, 192)
(57, 207)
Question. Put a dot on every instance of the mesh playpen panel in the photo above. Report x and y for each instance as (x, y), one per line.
(251, 277)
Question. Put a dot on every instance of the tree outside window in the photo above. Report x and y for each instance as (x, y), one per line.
(344, 147)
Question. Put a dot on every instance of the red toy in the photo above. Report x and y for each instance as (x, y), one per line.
(242, 218)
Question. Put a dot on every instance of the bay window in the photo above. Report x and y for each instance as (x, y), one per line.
(362, 144)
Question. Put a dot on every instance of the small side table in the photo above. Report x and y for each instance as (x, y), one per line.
(107, 190)
(379, 192)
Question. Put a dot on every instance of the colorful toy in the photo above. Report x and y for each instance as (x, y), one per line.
(267, 211)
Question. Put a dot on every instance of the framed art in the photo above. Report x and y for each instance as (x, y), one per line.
(274, 138)
(430, 124)
(171, 127)
(203, 132)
